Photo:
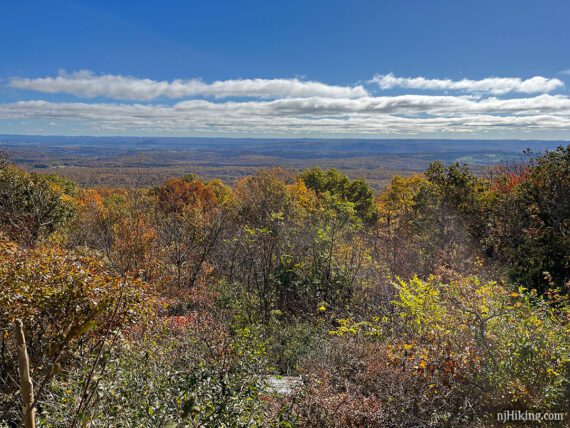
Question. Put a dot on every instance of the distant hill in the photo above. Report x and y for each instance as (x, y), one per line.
(301, 145)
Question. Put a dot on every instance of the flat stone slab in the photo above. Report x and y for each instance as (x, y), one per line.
(283, 385)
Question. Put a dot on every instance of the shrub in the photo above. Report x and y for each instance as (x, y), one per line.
(192, 371)
(68, 305)
(450, 353)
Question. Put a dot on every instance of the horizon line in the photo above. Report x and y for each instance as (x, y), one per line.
(285, 138)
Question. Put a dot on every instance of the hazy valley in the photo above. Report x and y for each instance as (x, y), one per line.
(143, 161)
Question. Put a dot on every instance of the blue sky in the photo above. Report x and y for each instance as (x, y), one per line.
(451, 69)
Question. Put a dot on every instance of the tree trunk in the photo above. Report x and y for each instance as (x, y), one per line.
(26, 386)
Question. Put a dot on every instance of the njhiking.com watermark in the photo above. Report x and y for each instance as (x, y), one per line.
(526, 416)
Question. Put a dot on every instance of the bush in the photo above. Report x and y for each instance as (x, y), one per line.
(191, 372)
(68, 305)
(450, 353)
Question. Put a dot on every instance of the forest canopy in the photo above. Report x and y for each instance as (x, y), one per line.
(439, 301)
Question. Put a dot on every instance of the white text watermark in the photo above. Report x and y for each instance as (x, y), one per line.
(526, 416)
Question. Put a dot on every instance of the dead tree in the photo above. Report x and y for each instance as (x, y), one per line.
(26, 386)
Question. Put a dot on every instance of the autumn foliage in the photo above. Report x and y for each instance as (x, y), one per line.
(438, 301)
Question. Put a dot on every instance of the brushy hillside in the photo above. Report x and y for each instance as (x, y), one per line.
(440, 301)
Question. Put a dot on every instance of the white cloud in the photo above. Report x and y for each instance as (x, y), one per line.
(492, 85)
(295, 107)
(87, 84)
(403, 115)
